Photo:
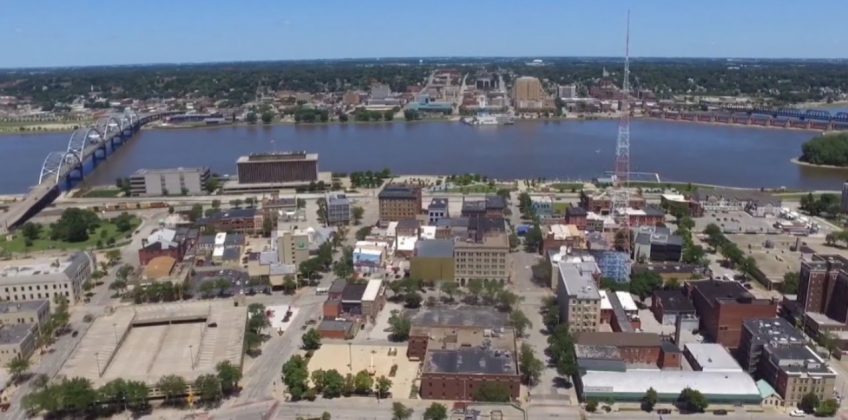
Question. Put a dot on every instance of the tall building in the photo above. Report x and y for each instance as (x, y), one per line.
(338, 209)
(399, 202)
(758, 333)
(527, 88)
(286, 167)
(577, 293)
(567, 91)
(293, 246)
(795, 370)
(845, 197)
(487, 259)
(823, 286)
(174, 181)
(45, 278)
(723, 305)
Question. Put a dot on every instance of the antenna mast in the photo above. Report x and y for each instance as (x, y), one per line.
(620, 194)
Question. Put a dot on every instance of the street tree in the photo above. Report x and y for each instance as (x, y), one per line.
(311, 340)
(530, 367)
(399, 326)
(691, 400)
(382, 386)
(17, 367)
(519, 322)
(362, 382)
(173, 387)
(208, 388)
(436, 411)
(809, 402)
(334, 384)
(229, 375)
(649, 400)
(401, 412)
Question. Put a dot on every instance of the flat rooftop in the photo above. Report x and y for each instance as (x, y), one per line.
(578, 277)
(146, 342)
(461, 317)
(14, 333)
(798, 359)
(712, 357)
(23, 306)
(774, 331)
(669, 383)
(718, 290)
(42, 266)
(473, 361)
(145, 171)
(618, 339)
(278, 157)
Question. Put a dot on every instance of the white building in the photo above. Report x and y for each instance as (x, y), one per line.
(174, 181)
(45, 278)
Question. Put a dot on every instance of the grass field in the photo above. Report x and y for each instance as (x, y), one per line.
(480, 189)
(105, 234)
(567, 186)
(102, 193)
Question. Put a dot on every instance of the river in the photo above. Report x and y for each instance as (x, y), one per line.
(725, 155)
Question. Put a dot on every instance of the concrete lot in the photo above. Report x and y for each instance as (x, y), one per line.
(373, 358)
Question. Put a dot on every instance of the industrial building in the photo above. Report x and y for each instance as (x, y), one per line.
(631, 348)
(399, 202)
(277, 168)
(723, 305)
(46, 278)
(173, 181)
(577, 293)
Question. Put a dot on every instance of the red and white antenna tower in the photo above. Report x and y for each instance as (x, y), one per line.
(620, 194)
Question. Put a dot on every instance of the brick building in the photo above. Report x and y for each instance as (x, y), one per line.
(167, 243)
(233, 220)
(723, 305)
(277, 167)
(634, 347)
(601, 203)
(795, 370)
(399, 202)
(823, 286)
(668, 305)
(490, 206)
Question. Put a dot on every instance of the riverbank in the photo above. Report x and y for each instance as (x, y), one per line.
(800, 162)
(730, 124)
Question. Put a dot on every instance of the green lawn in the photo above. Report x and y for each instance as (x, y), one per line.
(567, 186)
(103, 233)
(560, 208)
(102, 193)
(480, 189)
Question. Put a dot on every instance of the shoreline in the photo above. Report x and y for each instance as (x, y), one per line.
(800, 162)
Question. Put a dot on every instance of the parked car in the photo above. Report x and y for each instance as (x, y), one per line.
(797, 413)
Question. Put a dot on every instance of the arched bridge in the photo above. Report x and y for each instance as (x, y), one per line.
(61, 167)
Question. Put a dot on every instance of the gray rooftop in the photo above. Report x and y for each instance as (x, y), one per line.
(797, 359)
(438, 203)
(43, 269)
(14, 333)
(751, 196)
(337, 199)
(399, 191)
(335, 325)
(434, 248)
(578, 279)
(471, 360)
(23, 306)
(461, 317)
(773, 331)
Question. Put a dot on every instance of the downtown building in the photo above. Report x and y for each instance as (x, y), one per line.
(722, 306)
(174, 181)
(399, 202)
(46, 278)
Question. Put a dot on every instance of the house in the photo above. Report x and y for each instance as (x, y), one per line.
(756, 203)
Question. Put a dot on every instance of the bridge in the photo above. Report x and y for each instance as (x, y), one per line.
(801, 114)
(61, 168)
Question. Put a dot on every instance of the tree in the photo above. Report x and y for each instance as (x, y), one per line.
(450, 288)
(17, 367)
(691, 400)
(643, 284)
(649, 400)
(382, 386)
(251, 117)
(530, 367)
(362, 382)
(295, 376)
(31, 231)
(357, 212)
(267, 117)
(363, 233)
(412, 300)
(195, 213)
(317, 377)
(401, 412)
(475, 288)
(208, 387)
(289, 285)
(137, 394)
(519, 322)
(334, 384)
(399, 326)
(172, 387)
(229, 375)
(74, 225)
(326, 416)
(492, 392)
(533, 239)
(827, 408)
(790, 283)
(436, 411)
(591, 406)
(561, 351)
(311, 340)
(809, 402)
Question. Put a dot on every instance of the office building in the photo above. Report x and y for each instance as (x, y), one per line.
(795, 370)
(338, 209)
(487, 259)
(489, 206)
(543, 206)
(399, 202)
(577, 293)
(567, 91)
(46, 278)
(823, 286)
(614, 264)
(433, 260)
(723, 305)
(277, 168)
(293, 246)
(437, 210)
(32, 312)
(528, 94)
(434, 325)
(758, 333)
(16, 341)
(654, 243)
(174, 181)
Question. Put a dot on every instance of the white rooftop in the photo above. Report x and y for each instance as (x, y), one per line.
(406, 243)
(428, 232)
(165, 236)
(674, 197)
(391, 229)
(712, 357)
(372, 290)
(220, 238)
(626, 300)
(577, 276)
(670, 382)
(605, 302)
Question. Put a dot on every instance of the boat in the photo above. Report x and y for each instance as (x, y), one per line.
(487, 119)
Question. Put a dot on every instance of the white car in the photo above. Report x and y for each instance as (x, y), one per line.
(797, 413)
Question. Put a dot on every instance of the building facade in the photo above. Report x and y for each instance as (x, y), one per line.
(16, 341)
(287, 167)
(437, 210)
(174, 181)
(338, 209)
(758, 333)
(399, 202)
(487, 259)
(577, 293)
(46, 278)
(796, 370)
(293, 246)
(433, 260)
(722, 307)
(32, 312)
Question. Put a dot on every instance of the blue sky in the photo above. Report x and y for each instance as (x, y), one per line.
(76, 32)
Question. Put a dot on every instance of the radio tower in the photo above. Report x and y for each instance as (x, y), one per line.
(620, 194)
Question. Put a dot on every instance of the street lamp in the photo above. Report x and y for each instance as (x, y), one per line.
(115, 333)
(350, 356)
(97, 359)
(191, 356)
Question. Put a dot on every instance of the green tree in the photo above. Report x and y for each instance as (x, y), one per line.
(31, 231)
(399, 326)
(195, 213)
(172, 387)
(591, 406)
(137, 396)
(533, 239)
(357, 212)
(311, 340)
(74, 225)
(530, 367)
(401, 412)
(492, 392)
(790, 283)
(519, 322)
(382, 386)
(251, 117)
(295, 376)
(317, 377)
(649, 400)
(229, 376)
(362, 382)
(809, 402)
(450, 288)
(827, 408)
(691, 400)
(643, 284)
(334, 384)
(208, 388)
(17, 367)
(436, 411)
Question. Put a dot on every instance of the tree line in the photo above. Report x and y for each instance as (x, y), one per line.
(830, 149)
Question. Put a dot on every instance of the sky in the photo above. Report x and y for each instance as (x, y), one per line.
(46, 33)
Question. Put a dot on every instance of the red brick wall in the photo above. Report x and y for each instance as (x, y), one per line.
(332, 309)
(642, 354)
(417, 347)
(727, 327)
(669, 360)
(333, 334)
(438, 386)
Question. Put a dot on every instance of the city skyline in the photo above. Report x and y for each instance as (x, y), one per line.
(57, 34)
